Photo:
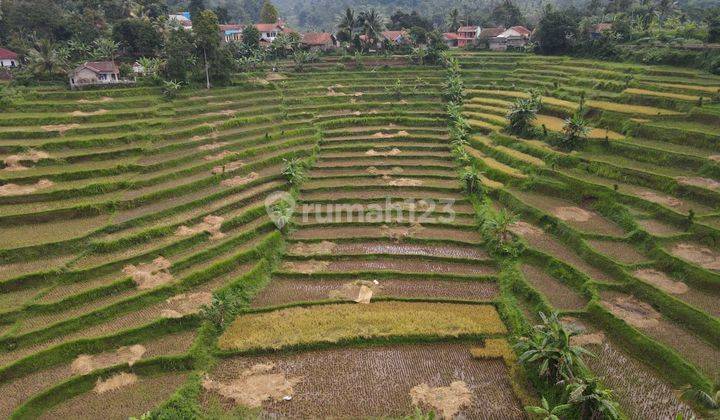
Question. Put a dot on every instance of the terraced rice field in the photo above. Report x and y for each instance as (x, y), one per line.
(122, 214)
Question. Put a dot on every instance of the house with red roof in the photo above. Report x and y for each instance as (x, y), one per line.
(597, 30)
(396, 37)
(467, 35)
(321, 41)
(451, 39)
(93, 73)
(8, 58)
(515, 37)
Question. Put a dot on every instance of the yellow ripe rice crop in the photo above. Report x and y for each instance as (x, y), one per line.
(635, 91)
(556, 124)
(332, 323)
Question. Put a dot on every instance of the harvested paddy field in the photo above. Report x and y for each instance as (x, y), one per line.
(378, 381)
(141, 254)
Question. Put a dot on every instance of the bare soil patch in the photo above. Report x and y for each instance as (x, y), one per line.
(405, 182)
(360, 291)
(699, 182)
(115, 382)
(333, 233)
(88, 114)
(211, 146)
(619, 251)
(186, 304)
(524, 229)
(634, 312)
(84, 364)
(574, 214)
(399, 233)
(306, 249)
(150, 275)
(393, 152)
(396, 170)
(560, 295)
(697, 254)
(660, 199)
(661, 281)
(445, 400)
(96, 101)
(60, 128)
(658, 228)
(210, 224)
(254, 386)
(305, 267)
(15, 189)
(219, 156)
(14, 162)
(228, 167)
(715, 158)
(376, 381)
(240, 180)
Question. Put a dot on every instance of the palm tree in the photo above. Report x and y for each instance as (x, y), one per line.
(496, 227)
(348, 23)
(522, 114)
(664, 9)
(591, 400)
(575, 132)
(372, 25)
(454, 18)
(549, 349)
(472, 180)
(45, 60)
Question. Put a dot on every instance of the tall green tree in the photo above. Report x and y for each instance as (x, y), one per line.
(195, 8)
(712, 19)
(346, 26)
(454, 20)
(179, 60)
(207, 39)
(372, 25)
(557, 31)
(507, 14)
(268, 13)
(44, 60)
(251, 37)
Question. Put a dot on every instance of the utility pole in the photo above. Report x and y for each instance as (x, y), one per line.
(207, 70)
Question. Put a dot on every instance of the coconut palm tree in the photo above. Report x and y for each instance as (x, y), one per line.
(549, 350)
(454, 19)
(575, 132)
(44, 60)
(372, 25)
(522, 114)
(348, 23)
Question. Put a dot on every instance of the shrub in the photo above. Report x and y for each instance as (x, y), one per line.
(472, 180)
(575, 132)
(294, 170)
(522, 114)
(495, 229)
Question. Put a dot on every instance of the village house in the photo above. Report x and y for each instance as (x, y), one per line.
(182, 19)
(514, 37)
(231, 33)
(466, 35)
(396, 37)
(319, 41)
(94, 73)
(597, 30)
(451, 39)
(8, 58)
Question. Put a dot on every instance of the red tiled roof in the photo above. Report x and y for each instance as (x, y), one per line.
(451, 35)
(101, 66)
(491, 32)
(232, 27)
(267, 27)
(6, 54)
(393, 35)
(317, 38)
(467, 29)
(521, 30)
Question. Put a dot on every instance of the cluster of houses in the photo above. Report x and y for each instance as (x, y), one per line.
(496, 39)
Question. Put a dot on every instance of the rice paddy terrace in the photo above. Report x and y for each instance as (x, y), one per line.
(122, 215)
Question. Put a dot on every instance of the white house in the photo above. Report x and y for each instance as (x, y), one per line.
(182, 19)
(8, 58)
(95, 73)
(516, 36)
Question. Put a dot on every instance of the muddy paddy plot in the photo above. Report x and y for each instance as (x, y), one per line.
(387, 264)
(19, 390)
(644, 317)
(390, 248)
(332, 233)
(697, 254)
(379, 382)
(583, 219)
(559, 295)
(641, 392)
(280, 292)
(132, 398)
(658, 228)
(618, 251)
(700, 299)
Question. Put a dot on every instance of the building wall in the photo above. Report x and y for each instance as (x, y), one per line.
(9, 63)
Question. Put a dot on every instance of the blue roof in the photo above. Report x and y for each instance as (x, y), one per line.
(186, 14)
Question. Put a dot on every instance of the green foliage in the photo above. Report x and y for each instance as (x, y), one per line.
(545, 412)
(225, 306)
(556, 31)
(589, 400)
(179, 61)
(575, 132)
(268, 13)
(294, 170)
(548, 349)
(170, 89)
(709, 400)
(495, 230)
(137, 37)
(251, 37)
(472, 180)
(522, 113)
